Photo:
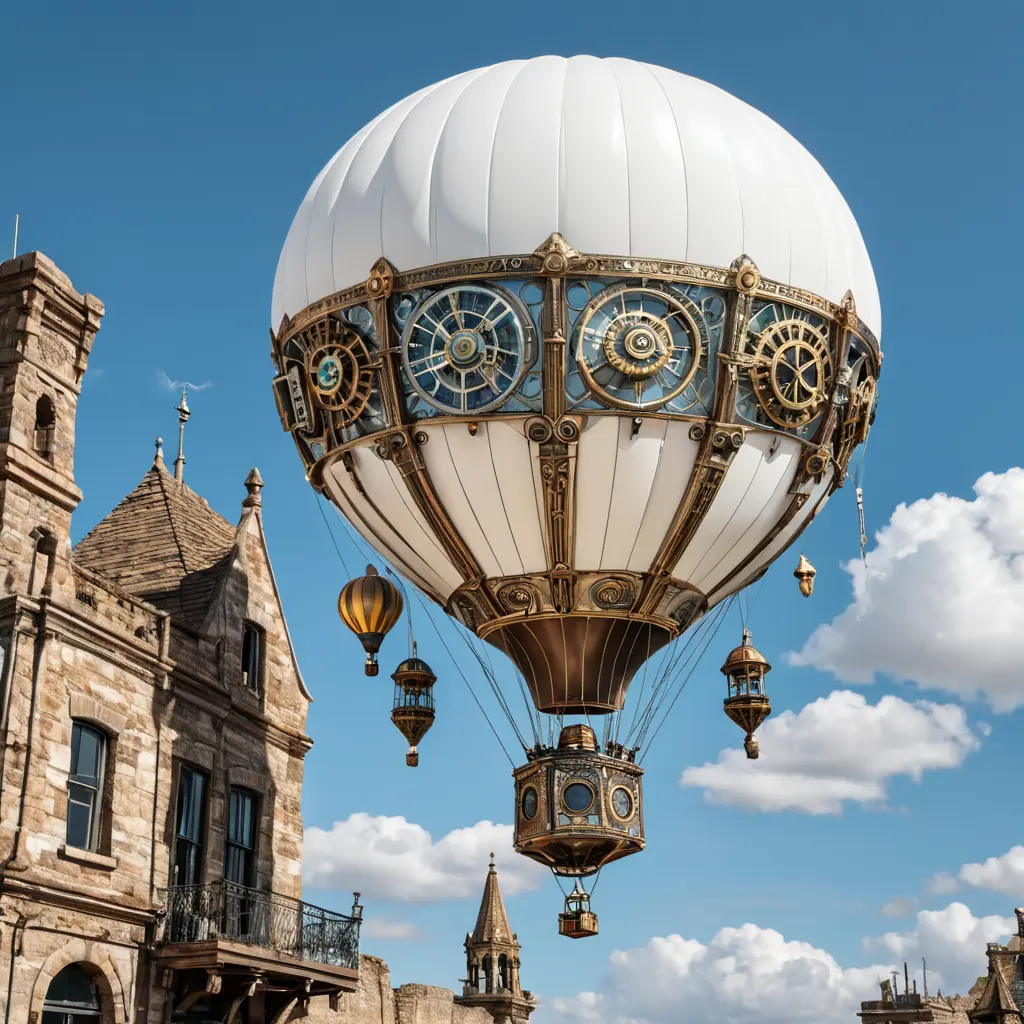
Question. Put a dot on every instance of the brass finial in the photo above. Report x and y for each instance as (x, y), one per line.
(492, 860)
(805, 573)
(183, 414)
(253, 485)
(158, 459)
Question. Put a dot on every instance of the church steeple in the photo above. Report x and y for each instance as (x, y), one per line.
(492, 960)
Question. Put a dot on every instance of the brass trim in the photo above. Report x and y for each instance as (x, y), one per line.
(555, 257)
(400, 447)
(719, 444)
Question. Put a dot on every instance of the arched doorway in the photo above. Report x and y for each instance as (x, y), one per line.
(72, 998)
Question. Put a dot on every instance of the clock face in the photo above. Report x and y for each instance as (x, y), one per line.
(792, 371)
(328, 375)
(639, 347)
(465, 348)
(622, 802)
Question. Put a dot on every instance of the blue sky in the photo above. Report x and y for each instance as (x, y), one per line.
(158, 154)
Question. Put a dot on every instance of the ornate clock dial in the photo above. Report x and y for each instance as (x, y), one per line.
(465, 348)
(792, 371)
(639, 347)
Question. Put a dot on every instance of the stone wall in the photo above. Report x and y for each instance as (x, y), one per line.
(376, 1002)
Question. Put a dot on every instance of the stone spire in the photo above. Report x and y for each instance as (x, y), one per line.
(253, 485)
(183, 412)
(492, 960)
(492, 920)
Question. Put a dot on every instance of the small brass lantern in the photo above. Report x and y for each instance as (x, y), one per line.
(805, 573)
(747, 704)
(578, 921)
(413, 713)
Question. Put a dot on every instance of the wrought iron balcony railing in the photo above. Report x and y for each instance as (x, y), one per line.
(236, 913)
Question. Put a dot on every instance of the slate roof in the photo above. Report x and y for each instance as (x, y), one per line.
(162, 543)
(492, 921)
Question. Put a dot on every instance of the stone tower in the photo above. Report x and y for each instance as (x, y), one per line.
(492, 961)
(46, 335)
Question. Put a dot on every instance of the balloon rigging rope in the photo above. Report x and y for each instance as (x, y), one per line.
(319, 505)
(718, 622)
(668, 667)
(356, 540)
(693, 660)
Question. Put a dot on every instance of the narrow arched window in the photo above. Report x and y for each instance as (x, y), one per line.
(503, 971)
(46, 421)
(85, 786)
(488, 976)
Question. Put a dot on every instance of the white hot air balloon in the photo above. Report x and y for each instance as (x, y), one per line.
(581, 346)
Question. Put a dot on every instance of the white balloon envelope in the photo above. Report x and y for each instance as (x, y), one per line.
(581, 346)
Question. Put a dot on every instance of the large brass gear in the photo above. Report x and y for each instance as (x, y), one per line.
(792, 371)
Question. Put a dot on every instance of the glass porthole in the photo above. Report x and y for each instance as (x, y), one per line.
(622, 803)
(577, 797)
(529, 803)
(465, 348)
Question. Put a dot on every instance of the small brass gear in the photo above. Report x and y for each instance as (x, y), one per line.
(339, 366)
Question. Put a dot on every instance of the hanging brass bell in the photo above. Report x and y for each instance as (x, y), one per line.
(805, 573)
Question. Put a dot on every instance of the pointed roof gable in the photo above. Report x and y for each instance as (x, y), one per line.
(492, 921)
(162, 543)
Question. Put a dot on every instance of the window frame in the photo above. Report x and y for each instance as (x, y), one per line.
(199, 845)
(97, 807)
(251, 853)
(253, 629)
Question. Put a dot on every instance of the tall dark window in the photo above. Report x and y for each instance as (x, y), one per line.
(72, 998)
(488, 978)
(85, 786)
(252, 656)
(503, 971)
(46, 418)
(240, 848)
(189, 822)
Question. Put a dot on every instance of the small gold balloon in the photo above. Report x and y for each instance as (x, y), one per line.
(805, 573)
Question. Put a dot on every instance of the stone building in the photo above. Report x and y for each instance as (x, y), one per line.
(152, 741)
(153, 727)
(995, 998)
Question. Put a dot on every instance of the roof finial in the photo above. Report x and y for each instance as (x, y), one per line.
(158, 460)
(253, 484)
(183, 414)
(492, 861)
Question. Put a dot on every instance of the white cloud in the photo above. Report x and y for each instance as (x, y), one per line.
(940, 600)
(744, 975)
(837, 748)
(386, 929)
(752, 975)
(901, 906)
(175, 387)
(393, 859)
(942, 884)
(953, 942)
(1003, 874)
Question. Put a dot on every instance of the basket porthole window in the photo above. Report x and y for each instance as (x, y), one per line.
(529, 804)
(577, 797)
(622, 803)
